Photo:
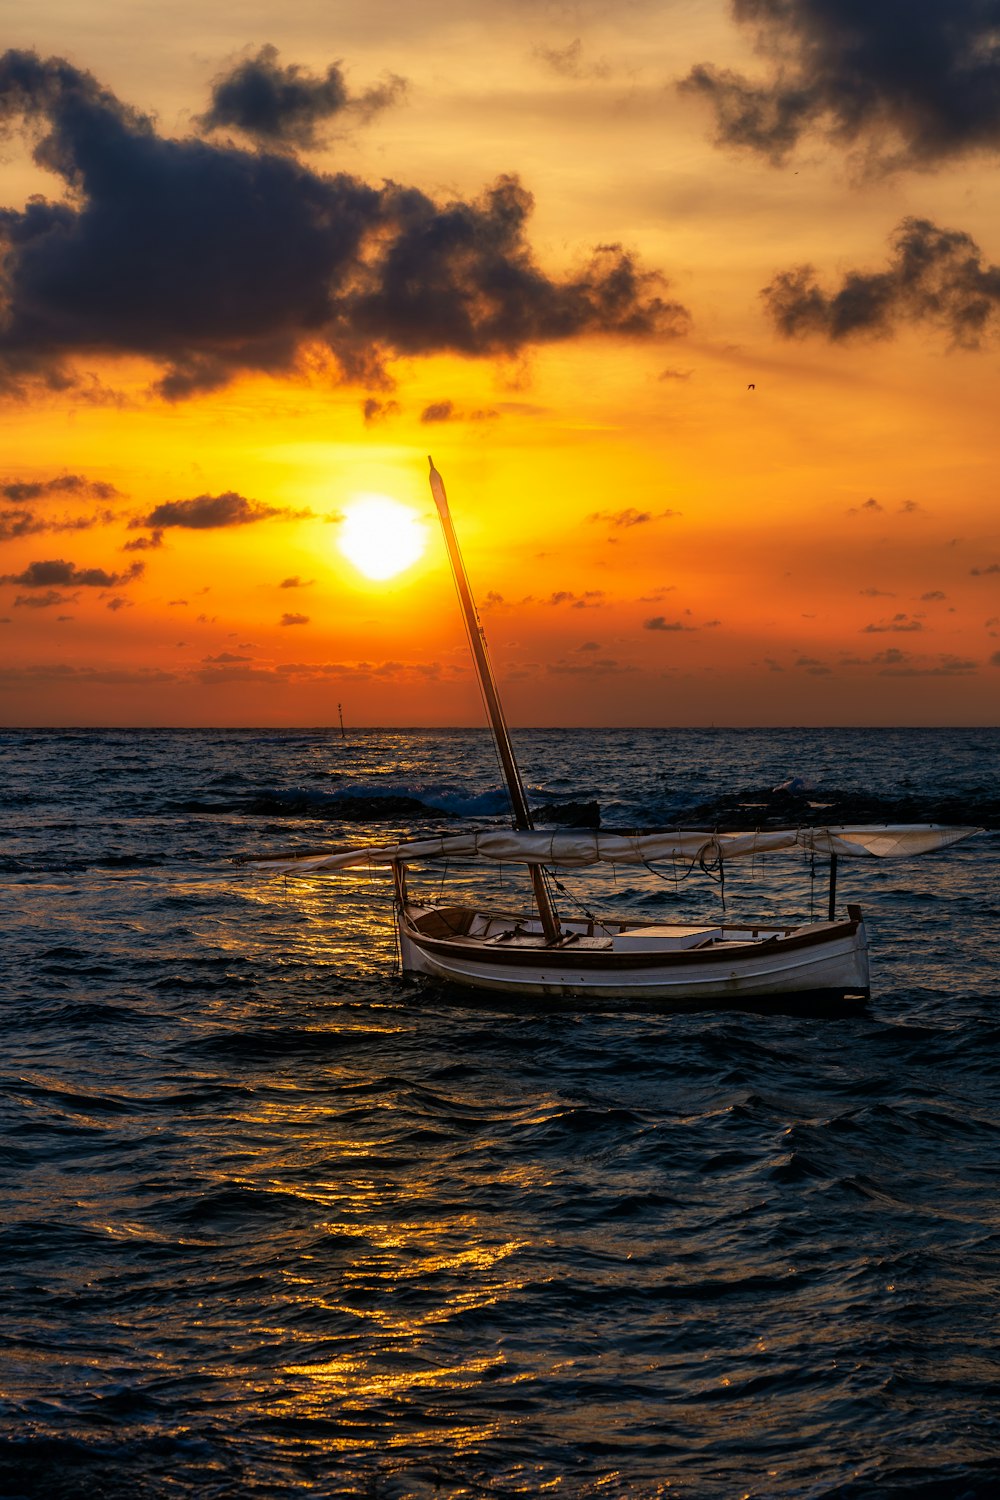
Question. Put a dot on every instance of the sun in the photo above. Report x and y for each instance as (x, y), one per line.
(380, 536)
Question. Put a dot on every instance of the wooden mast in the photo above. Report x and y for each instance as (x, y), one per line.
(487, 681)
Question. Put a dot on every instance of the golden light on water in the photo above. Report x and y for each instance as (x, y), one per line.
(381, 537)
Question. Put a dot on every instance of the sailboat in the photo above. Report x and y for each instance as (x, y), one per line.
(540, 952)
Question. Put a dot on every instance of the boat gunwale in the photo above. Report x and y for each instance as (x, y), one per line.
(816, 934)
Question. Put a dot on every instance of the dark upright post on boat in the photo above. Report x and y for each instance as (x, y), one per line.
(477, 640)
(831, 910)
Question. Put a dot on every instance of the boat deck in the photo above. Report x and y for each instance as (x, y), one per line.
(481, 929)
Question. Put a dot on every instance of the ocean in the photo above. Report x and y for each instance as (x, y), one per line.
(276, 1222)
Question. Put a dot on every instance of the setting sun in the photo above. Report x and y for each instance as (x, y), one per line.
(381, 537)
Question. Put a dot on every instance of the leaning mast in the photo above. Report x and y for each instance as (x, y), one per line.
(491, 697)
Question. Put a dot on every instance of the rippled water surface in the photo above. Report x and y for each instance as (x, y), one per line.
(276, 1222)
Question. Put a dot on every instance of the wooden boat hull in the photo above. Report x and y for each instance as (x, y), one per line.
(819, 958)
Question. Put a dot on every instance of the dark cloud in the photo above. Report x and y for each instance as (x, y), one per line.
(20, 521)
(377, 411)
(288, 619)
(286, 106)
(933, 594)
(19, 490)
(660, 622)
(901, 82)
(995, 659)
(876, 593)
(900, 622)
(296, 583)
(208, 512)
(210, 261)
(59, 574)
(934, 276)
(119, 603)
(150, 543)
(438, 411)
(63, 672)
(813, 666)
(48, 600)
(631, 516)
(589, 599)
(983, 572)
(945, 666)
(675, 375)
(447, 411)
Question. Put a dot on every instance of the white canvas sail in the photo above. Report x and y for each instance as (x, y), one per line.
(576, 850)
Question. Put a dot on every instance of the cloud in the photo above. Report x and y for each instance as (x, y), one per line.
(660, 622)
(995, 659)
(876, 593)
(19, 521)
(675, 375)
(289, 619)
(983, 572)
(438, 411)
(63, 672)
(19, 490)
(62, 574)
(285, 106)
(225, 658)
(599, 667)
(945, 666)
(589, 599)
(813, 666)
(900, 622)
(211, 261)
(905, 83)
(870, 507)
(934, 276)
(208, 512)
(145, 543)
(932, 594)
(119, 603)
(568, 62)
(631, 516)
(378, 411)
(43, 601)
(296, 583)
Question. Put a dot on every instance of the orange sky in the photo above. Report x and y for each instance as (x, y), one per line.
(717, 507)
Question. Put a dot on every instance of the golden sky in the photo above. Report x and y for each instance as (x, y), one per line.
(697, 318)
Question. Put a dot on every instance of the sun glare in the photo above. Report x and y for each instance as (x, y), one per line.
(380, 536)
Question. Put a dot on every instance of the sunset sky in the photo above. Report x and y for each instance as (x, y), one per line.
(694, 303)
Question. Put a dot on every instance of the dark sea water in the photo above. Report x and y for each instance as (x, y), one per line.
(276, 1223)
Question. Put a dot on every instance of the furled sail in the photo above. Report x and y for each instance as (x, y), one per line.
(575, 850)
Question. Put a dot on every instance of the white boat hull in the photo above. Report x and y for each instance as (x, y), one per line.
(819, 958)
